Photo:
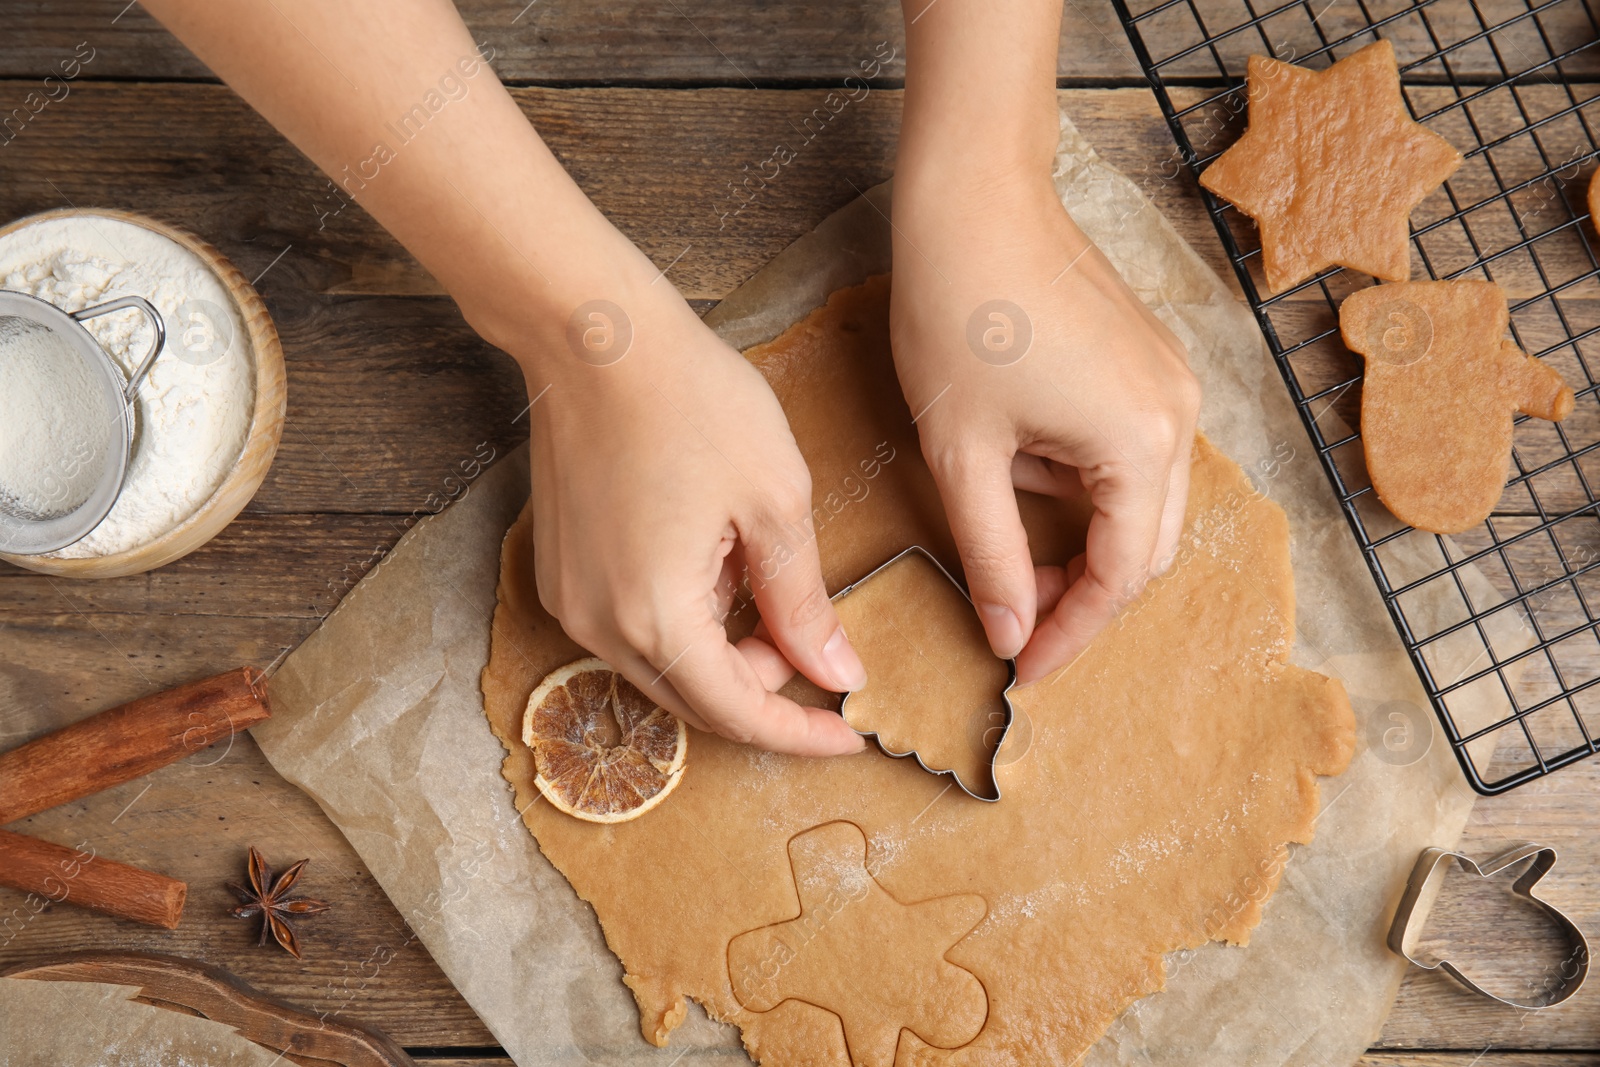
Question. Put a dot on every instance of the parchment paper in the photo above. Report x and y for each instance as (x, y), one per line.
(88, 1024)
(379, 717)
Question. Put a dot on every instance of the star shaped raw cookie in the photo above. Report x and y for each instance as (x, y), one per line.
(856, 951)
(1331, 166)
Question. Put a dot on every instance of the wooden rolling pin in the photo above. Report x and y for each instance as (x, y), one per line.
(102, 751)
(68, 876)
(128, 741)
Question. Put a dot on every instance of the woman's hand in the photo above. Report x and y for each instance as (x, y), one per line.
(1029, 364)
(662, 468)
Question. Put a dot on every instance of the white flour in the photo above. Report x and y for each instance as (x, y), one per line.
(194, 409)
(44, 383)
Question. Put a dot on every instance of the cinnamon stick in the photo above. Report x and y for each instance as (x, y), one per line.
(69, 876)
(128, 741)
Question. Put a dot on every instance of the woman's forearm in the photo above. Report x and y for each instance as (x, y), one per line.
(980, 103)
(407, 118)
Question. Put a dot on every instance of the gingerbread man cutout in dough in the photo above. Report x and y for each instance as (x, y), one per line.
(856, 951)
(1441, 386)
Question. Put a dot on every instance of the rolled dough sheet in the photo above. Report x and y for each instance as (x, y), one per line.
(861, 910)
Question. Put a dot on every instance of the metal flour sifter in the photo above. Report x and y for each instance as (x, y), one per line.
(73, 506)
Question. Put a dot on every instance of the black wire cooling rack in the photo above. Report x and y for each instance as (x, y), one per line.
(1503, 622)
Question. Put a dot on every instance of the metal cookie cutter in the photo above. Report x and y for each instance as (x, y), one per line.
(1425, 877)
(1005, 699)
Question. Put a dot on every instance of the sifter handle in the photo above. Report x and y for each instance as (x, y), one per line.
(138, 303)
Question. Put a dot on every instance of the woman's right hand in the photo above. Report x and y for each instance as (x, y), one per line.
(663, 468)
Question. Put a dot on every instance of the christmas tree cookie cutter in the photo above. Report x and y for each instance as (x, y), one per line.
(1008, 712)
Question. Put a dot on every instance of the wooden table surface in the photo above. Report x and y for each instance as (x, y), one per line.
(657, 110)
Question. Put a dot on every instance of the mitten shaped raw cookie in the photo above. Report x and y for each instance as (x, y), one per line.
(1441, 387)
(1331, 166)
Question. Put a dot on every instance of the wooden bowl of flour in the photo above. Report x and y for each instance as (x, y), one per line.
(260, 345)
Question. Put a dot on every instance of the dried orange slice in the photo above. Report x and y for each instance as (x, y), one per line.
(604, 751)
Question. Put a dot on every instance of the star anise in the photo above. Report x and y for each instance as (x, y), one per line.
(270, 898)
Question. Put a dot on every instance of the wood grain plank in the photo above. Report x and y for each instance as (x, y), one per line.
(387, 398)
(394, 405)
(426, 382)
(681, 173)
(659, 163)
(678, 171)
(727, 43)
(704, 41)
(262, 566)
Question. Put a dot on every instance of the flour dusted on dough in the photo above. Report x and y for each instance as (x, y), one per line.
(1150, 809)
(194, 409)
